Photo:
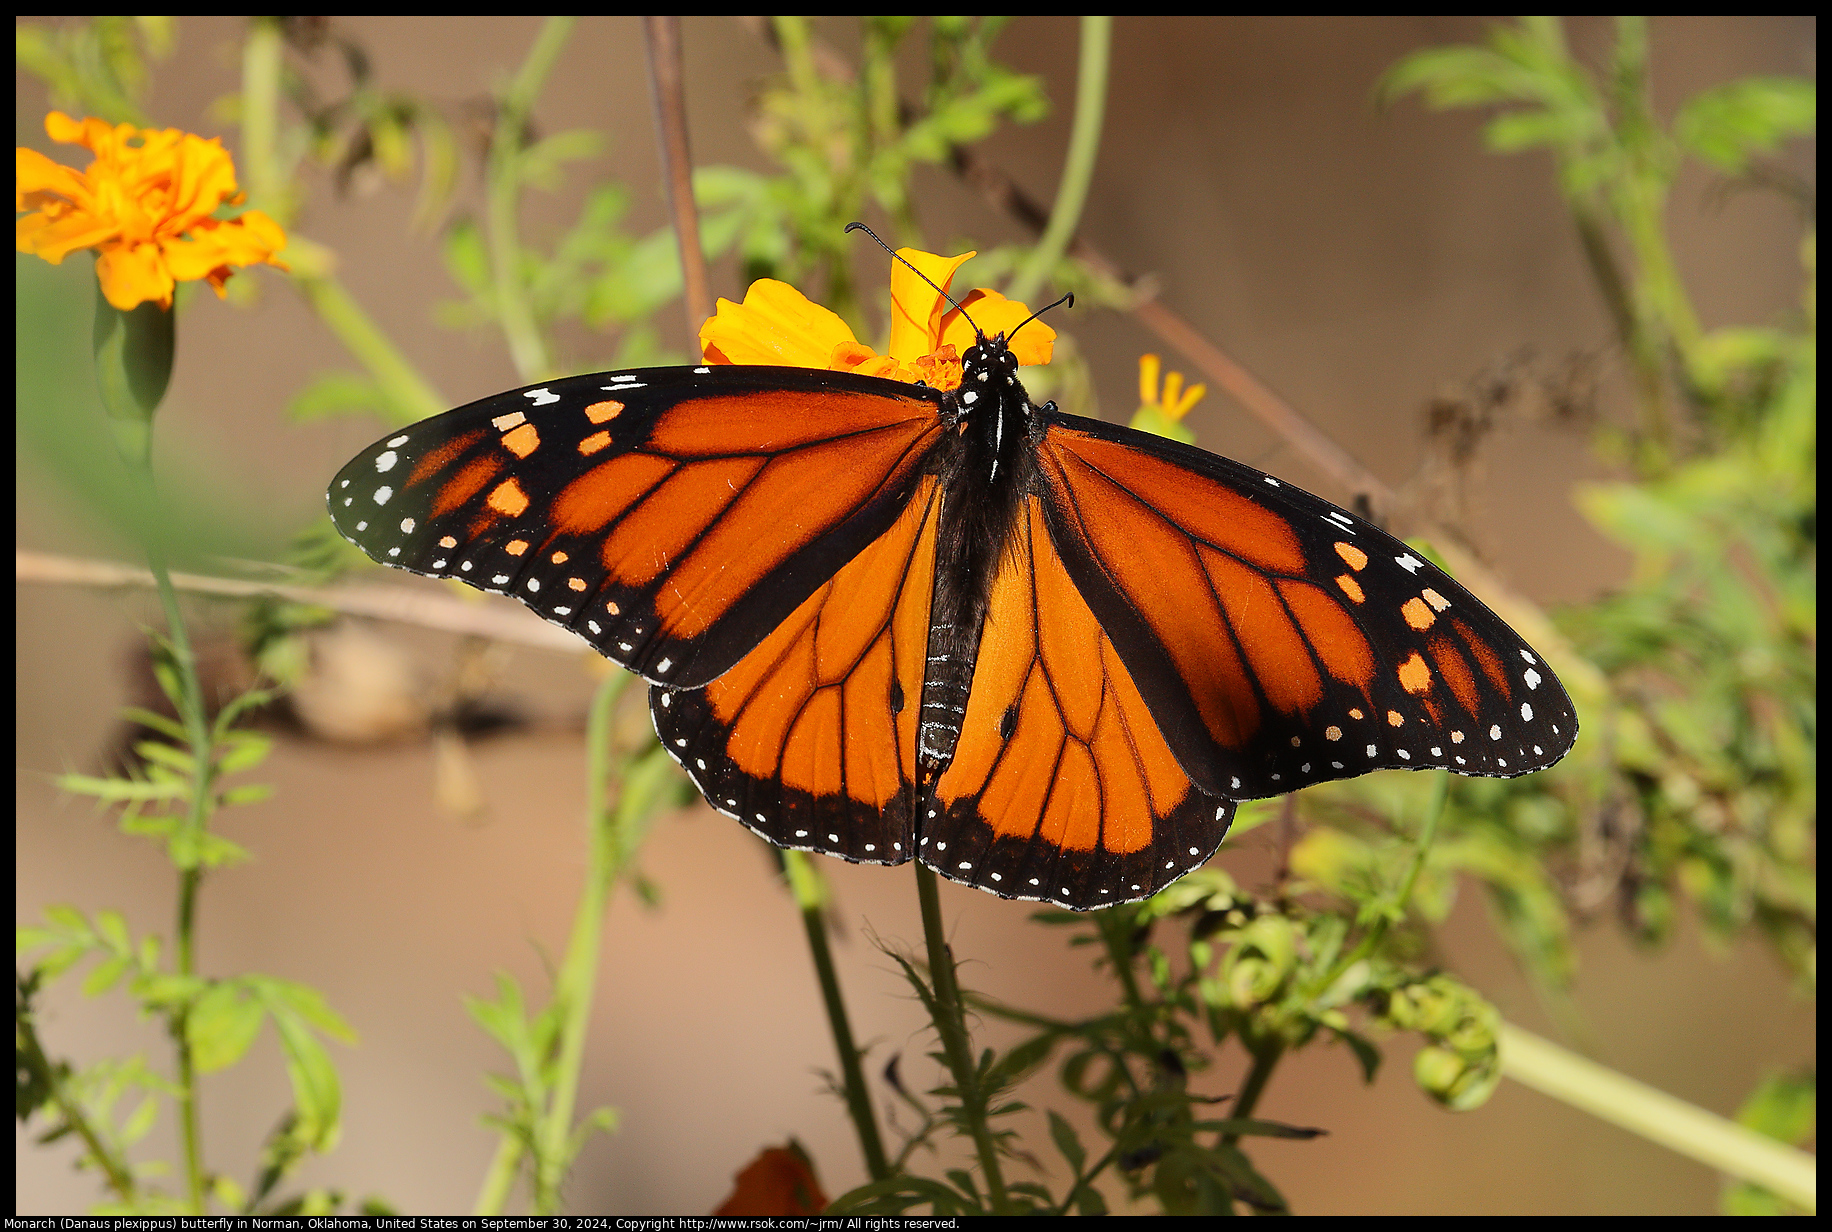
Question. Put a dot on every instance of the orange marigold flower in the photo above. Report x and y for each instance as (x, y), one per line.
(144, 204)
(776, 324)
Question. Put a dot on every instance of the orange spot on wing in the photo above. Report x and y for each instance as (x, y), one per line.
(522, 441)
(508, 499)
(515, 547)
(1414, 676)
(1417, 614)
(593, 443)
(1353, 556)
(1351, 588)
(604, 412)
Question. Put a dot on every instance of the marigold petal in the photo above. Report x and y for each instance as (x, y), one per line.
(1034, 344)
(211, 246)
(916, 307)
(847, 356)
(202, 177)
(132, 274)
(53, 237)
(1149, 366)
(33, 173)
(776, 324)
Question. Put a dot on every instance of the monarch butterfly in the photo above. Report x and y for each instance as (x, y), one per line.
(1043, 654)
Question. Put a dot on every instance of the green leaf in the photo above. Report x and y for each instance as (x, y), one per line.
(308, 1003)
(139, 1122)
(246, 749)
(543, 163)
(316, 1093)
(1365, 1053)
(164, 724)
(113, 930)
(1068, 1142)
(114, 790)
(105, 975)
(1784, 1107)
(222, 1024)
(332, 394)
(247, 793)
(1730, 124)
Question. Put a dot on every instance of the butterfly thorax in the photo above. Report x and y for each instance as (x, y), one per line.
(985, 475)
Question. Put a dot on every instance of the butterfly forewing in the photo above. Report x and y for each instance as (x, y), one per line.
(672, 517)
(1279, 640)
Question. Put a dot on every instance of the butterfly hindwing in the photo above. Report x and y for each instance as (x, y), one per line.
(671, 516)
(1061, 787)
(1279, 640)
(810, 740)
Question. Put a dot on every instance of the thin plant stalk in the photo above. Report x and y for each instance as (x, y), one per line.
(527, 348)
(131, 404)
(410, 395)
(579, 968)
(1078, 167)
(810, 897)
(951, 1025)
(1659, 1117)
(669, 89)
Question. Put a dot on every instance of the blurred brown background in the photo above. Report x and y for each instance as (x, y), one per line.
(1359, 261)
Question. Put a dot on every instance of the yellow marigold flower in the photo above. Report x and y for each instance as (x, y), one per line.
(1161, 410)
(776, 324)
(144, 204)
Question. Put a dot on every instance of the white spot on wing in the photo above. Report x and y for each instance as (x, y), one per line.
(540, 397)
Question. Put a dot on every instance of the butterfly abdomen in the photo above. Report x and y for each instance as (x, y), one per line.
(986, 473)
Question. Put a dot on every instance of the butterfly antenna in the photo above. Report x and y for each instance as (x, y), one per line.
(1068, 299)
(859, 226)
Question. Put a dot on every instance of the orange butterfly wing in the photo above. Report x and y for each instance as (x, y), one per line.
(810, 740)
(1278, 640)
(1061, 787)
(670, 516)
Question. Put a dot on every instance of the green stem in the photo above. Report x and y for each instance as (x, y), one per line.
(262, 175)
(577, 979)
(32, 1059)
(951, 1025)
(197, 730)
(1116, 935)
(1724, 1145)
(1078, 169)
(527, 348)
(499, 1178)
(810, 897)
(1393, 908)
(1265, 1060)
(409, 394)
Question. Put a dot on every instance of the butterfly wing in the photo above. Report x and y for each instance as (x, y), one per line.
(1061, 787)
(810, 740)
(1278, 640)
(670, 516)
